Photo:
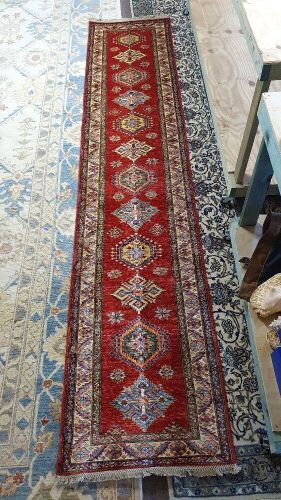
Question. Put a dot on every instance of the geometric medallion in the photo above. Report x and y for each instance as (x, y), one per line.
(136, 252)
(140, 344)
(129, 56)
(129, 39)
(131, 99)
(134, 179)
(131, 76)
(137, 293)
(143, 402)
(133, 149)
(133, 123)
(135, 213)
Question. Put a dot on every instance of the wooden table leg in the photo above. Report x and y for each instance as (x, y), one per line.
(257, 189)
(250, 132)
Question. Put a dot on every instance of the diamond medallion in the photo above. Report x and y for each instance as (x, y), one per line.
(135, 213)
(143, 402)
(131, 99)
(133, 149)
(129, 56)
(137, 293)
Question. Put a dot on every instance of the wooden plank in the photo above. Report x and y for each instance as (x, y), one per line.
(244, 241)
(262, 29)
(214, 14)
(239, 190)
(230, 77)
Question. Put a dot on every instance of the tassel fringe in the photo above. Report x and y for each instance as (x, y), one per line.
(200, 471)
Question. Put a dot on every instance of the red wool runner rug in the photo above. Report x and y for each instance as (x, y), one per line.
(143, 391)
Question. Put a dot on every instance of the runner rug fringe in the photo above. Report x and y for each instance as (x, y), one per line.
(143, 390)
(159, 471)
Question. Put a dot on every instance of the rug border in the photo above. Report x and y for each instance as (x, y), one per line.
(214, 469)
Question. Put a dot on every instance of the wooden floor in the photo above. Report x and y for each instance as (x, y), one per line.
(229, 76)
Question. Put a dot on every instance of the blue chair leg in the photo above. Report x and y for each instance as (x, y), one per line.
(257, 189)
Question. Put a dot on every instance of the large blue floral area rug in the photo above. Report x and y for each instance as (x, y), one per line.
(260, 471)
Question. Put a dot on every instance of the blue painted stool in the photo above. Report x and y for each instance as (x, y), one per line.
(276, 361)
(269, 158)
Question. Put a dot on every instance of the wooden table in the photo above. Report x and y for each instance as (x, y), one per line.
(261, 23)
(229, 75)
